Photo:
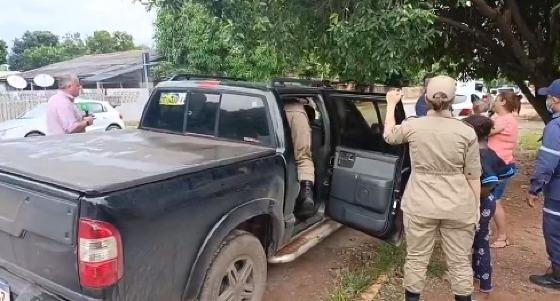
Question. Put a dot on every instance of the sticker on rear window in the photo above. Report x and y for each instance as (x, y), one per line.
(172, 99)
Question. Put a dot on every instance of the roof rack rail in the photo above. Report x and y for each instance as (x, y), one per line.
(188, 76)
(287, 81)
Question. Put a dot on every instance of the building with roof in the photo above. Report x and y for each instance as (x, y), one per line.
(127, 69)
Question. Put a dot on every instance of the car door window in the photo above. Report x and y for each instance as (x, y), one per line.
(243, 118)
(361, 124)
(91, 107)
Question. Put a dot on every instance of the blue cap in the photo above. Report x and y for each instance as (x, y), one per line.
(552, 90)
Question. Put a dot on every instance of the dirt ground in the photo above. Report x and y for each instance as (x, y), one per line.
(313, 276)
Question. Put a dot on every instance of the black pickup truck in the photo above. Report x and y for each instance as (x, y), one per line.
(193, 203)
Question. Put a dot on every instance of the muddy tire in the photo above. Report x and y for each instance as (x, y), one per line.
(238, 271)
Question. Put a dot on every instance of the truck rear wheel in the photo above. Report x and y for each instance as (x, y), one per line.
(238, 272)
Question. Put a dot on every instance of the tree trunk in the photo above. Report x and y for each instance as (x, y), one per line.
(537, 101)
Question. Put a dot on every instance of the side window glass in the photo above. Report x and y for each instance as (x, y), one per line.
(201, 113)
(166, 111)
(368, 112)
(361, 127)
(90, 107)
(243, 118)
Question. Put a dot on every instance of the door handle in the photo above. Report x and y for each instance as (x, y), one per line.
(346, 159)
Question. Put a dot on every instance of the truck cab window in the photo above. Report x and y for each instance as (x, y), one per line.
(201, 113)
(243, 118)
(166, 112)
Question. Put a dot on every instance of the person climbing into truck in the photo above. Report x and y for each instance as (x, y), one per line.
(298, 120)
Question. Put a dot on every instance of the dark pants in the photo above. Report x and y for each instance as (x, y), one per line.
(551, 230)
(482, 261)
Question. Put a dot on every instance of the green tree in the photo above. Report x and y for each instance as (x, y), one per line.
(3, 52)
(519, 40)
(100, 42)
(27, 41)
(73, 45)
(43, 55)
(365, 40)
(123, 41)
(103, 41)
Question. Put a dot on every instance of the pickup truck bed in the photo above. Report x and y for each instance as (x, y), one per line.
(118, 160)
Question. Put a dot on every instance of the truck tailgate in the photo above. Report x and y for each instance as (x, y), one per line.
(37, 233)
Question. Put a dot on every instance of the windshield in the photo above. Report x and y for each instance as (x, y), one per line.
(37, 112)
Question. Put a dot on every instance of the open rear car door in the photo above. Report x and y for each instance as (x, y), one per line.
(367, 174)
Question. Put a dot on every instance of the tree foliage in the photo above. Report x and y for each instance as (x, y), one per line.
(261, 39)
(364, 40)
(27, 41)
(42, 55)
(73, 45)
(40, 48)
(103, 41)
(3, 52)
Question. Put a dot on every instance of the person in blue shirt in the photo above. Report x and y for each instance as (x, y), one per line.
(547, 180)
(421, 106)
(494, 170)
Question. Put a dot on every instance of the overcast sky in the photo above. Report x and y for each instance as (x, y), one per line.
(83, 16)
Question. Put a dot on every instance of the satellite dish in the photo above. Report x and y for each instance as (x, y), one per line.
(43, 80)
(16, 81)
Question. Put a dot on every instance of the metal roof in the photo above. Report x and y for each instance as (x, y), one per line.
(98, 67)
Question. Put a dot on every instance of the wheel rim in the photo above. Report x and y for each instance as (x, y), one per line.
(238, 282)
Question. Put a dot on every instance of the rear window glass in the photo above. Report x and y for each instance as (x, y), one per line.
(202, 112)
(230, 116)
(243, 118)
(166, 112)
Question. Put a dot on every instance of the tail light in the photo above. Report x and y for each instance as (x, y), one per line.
(465, 112)
(100, 254)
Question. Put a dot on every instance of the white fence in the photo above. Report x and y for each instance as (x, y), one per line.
(13, 104)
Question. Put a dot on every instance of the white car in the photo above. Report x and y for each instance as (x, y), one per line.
(463, 104)
(34, 121)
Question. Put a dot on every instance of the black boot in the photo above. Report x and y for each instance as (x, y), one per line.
(306, 208)
(550, 280)
(463, 298)
(408, 296)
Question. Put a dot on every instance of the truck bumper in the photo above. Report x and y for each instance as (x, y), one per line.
(21, 290)
(24, 290)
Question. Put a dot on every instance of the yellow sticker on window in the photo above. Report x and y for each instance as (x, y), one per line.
(172, 99)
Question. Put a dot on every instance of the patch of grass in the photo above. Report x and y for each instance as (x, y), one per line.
(352, 283)
(437, 269)
(387, 259)
(530, 141)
